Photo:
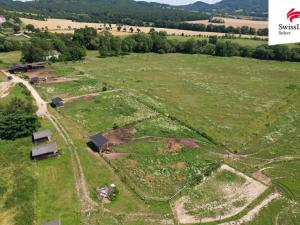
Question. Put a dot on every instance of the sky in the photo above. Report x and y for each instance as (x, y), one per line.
(179, 2)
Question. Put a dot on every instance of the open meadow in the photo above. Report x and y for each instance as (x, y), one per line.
(194, 138)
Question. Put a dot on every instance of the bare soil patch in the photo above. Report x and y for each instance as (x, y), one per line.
(178, 165)
(233, 198)
(120, 136)
(47, 76)
(176, 144)
(259, 175)
(115, 155)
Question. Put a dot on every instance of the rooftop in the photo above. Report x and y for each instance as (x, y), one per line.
(99, 139)
(44, 149)
(41, 134)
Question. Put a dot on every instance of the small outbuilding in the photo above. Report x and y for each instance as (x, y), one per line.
(34, 80)
(54, 222)
(98, 143)
(57, 102)
(41, 136)
(44, 151)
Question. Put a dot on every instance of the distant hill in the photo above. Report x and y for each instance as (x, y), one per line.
(110, 11)
(233, 7)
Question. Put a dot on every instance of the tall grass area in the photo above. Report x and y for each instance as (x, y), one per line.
(8, 58)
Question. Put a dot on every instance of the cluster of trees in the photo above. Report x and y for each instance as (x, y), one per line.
(212, 28)
(109, 45)
(55, 47)
(117, 11)
(9, 45)
(17, 119)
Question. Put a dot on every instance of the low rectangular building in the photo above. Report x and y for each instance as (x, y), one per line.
(54, 222)
(44, 151)
(57, 102)
(41, 136)
(98, 143)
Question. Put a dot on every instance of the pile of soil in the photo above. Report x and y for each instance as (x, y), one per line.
(176, 144)
(120, 136)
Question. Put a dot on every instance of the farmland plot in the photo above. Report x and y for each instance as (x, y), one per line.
(106, 111)
(221, 196)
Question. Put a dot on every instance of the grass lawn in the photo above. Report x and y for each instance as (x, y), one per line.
(2, 77)
(107, 110)
(35, 192)
(227, 97)
(8, 58)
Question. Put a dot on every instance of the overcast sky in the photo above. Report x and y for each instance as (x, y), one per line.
(179, 2)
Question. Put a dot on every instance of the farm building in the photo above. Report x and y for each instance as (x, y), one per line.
(41, 136)
(57, 102)
(98, 143)
(25, 67)
(34, 80)
(44, 151)
(54, 222)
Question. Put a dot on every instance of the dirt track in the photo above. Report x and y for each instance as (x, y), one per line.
(87, 203)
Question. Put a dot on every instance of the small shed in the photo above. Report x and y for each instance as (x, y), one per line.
(98, 143)
(57, 102)
(41, 136)
(54, 222)
(44, 151)
(34, 80)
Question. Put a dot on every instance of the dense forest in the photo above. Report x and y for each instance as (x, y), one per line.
(109, 11)
(257, 8)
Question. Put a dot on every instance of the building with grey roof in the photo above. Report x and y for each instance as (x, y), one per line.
(98, 143)
(54, 222)
(44, 151)
(42, 136)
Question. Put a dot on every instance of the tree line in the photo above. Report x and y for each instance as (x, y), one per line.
(17, 117)
(73, 47)
(158, 42)
(212, 28)
(54, 47)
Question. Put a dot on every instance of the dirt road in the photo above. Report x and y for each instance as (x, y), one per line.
(87, 203)
(41, 104)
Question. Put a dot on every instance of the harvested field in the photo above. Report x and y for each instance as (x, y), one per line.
(68, 26)
(221, 196)
(235, 22)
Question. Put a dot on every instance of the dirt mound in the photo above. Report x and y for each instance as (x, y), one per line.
(120, 136)
(176, 144)
(115, 155)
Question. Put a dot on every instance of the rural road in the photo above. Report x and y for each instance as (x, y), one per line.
(41, 104)
(87, 203)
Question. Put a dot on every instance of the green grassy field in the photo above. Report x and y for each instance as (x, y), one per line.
(250, 106)
(227, 97)
(35, 192)
(9, 58)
